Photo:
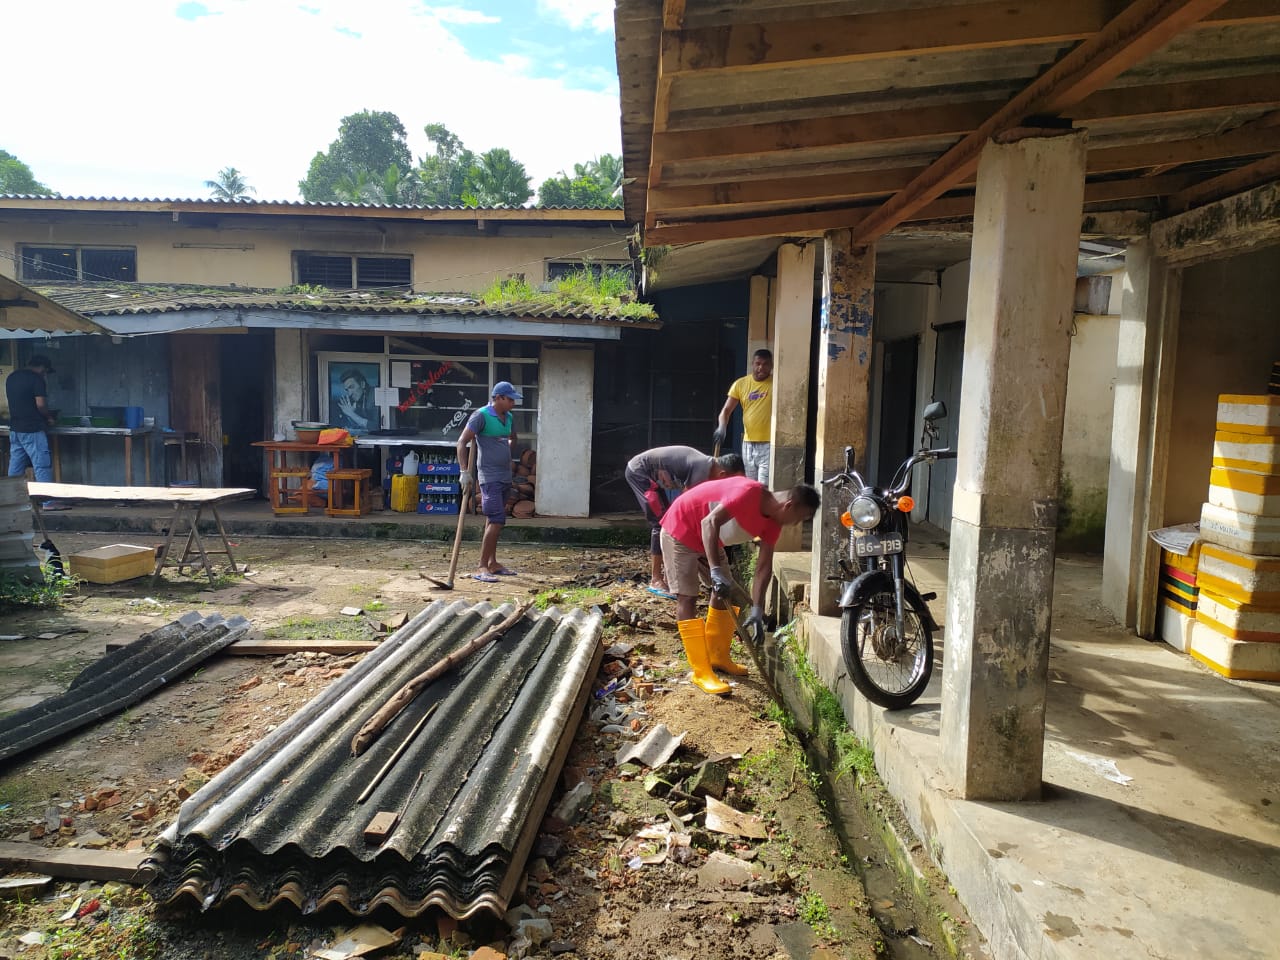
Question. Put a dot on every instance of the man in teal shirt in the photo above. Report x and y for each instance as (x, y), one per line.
(493, 428)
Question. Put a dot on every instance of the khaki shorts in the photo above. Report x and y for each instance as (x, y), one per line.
(682, 565)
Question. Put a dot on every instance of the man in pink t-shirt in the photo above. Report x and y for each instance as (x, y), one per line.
(699, 524)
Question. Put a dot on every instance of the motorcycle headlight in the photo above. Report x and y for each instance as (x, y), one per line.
(865, 513)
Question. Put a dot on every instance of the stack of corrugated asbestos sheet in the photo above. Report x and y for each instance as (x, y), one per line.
(282, 823)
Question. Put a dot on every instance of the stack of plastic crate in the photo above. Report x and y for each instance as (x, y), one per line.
(1237, 628)
(1179, 594)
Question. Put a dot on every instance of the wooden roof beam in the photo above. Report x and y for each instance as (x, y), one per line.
(1257, 91)
(1236, 181)
(741, 47)
(1142, 28)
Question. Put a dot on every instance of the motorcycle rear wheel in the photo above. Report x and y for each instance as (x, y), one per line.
(888, 671)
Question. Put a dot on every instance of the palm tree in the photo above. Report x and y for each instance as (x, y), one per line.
(498, 179)
(393, 187)
(230, 185)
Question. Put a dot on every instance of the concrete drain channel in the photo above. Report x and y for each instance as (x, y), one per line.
(918, 915)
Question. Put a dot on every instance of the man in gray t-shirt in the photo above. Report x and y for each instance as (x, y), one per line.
(657, 477)
(493, 430)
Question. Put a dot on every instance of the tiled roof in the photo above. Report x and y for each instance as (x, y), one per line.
(282, 823)
(120, 678)
(126, 299)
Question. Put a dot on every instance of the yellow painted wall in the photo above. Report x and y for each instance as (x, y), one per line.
(258, 251)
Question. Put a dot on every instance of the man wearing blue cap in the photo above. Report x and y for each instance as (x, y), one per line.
(493, 428)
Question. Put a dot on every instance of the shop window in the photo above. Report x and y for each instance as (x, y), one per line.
(53, 264)
(342, 271)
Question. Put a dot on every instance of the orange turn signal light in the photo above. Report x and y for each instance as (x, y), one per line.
(846, 519)
(906, 504)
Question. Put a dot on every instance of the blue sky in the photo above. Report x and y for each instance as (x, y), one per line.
(152, 98)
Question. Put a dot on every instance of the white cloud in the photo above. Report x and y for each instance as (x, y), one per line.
(593, 14)
(151, 105)
(459, 15)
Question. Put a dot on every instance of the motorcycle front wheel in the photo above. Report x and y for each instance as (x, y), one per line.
(888, 670)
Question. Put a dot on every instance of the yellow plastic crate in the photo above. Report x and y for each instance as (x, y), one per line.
(119, 561)
(404, 493)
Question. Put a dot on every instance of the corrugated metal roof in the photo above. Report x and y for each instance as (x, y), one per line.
(24, 310)
(121, 678)
(125, 299)
(266, 206)
(281, 824)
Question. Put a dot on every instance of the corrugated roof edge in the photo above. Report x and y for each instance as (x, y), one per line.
(311, 205)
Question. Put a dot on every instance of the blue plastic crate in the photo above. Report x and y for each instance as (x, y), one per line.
(439, 486)
(439, 469)
(438, 507)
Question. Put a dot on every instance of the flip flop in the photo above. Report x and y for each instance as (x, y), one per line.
(661, 593)
(484, 577)
(504, 572)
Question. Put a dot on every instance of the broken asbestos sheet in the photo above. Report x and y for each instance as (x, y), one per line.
(121, 678)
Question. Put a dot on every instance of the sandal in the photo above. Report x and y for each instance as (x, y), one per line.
(503, 572)
(484, 577)
(659, 592)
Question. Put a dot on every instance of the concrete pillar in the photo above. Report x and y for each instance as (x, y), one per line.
(292, 378)
(1142, 318)
(1000, 579)
(566, 379)
(792, 333)
(844, 395)
(759, 329)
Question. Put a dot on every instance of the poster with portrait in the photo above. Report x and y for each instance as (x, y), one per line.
(350, 385)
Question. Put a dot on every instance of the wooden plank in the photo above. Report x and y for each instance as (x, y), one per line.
(1141, 29)
(75, 863)
(277, 648)
(168, 495)
(673, 14)
(738, 47)
(722, 196)
(1243, 178)
(1237, 143)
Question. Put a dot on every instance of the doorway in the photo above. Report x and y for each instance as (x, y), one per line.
(246, 361)
(947, 371)
(897, 406)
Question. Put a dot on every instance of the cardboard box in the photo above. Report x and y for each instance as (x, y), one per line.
(120, 561)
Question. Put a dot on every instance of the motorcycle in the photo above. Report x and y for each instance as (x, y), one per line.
(886, 629)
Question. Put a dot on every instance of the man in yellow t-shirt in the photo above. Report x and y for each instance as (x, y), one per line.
(755, 394)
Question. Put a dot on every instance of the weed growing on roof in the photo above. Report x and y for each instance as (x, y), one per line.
(607, 292)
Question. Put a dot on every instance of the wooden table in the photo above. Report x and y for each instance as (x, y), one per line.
(189, 504)
(127, 433)
(279, 451)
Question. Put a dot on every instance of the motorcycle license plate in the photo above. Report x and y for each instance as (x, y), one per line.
(871, 545)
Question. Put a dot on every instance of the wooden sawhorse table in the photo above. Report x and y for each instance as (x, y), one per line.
(189, 504)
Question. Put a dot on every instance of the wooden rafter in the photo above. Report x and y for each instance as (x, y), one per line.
(1172, 153)
(1138, 31)
(1242, 178)
(901, 33)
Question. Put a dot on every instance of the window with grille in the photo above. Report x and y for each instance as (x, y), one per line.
(52, 264)
(342, 271)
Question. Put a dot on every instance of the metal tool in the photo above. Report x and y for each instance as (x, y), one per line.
(739, 598)
(457, 547)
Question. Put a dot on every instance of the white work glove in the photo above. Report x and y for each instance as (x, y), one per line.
(721, 581)
(467, 481)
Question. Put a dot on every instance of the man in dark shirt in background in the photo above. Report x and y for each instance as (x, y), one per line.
(29, 418)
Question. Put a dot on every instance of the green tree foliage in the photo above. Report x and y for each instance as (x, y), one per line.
(594, 184)
(230, 184)
(394, 186)
(497, 179)
(442, 175)
(371, 141)
(16, 177)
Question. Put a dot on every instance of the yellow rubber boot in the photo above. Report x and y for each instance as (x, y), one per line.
(694, 634)
(719, 634)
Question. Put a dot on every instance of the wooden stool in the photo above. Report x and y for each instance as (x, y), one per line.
(288, 486)
(357, 477)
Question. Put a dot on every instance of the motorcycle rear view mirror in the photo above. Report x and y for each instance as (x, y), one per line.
(935, 411)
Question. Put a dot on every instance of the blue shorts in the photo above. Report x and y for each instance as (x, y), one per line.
(493, 500)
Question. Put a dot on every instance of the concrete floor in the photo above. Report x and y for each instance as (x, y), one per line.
(1182, 859)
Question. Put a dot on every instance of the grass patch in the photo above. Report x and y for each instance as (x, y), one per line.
(297, 629)
(573, 597)
(812, 909)
(38, 592)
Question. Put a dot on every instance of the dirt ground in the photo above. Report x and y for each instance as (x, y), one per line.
(788, 894)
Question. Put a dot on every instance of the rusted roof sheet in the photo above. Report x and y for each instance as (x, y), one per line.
(131, 299)
(121, 678)
(24, 310)
(282, 824)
